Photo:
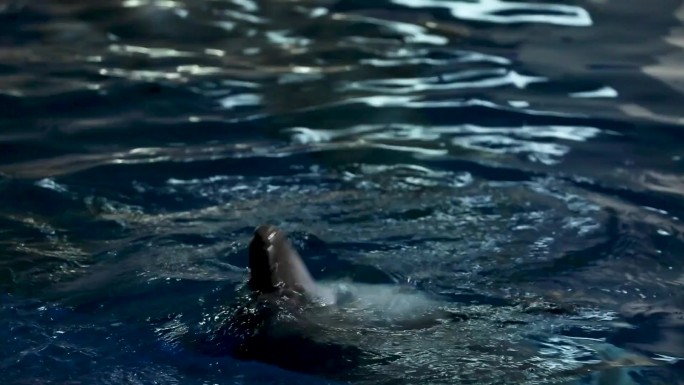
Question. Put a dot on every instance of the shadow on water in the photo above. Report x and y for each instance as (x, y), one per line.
(518, 163)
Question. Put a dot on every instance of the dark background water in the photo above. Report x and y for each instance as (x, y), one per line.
(487, 151)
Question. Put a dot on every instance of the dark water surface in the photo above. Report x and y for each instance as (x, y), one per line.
(521, 161)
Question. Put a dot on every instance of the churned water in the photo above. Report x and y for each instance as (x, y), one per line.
(517, 165)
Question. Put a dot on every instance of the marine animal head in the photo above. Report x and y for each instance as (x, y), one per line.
(275, 266)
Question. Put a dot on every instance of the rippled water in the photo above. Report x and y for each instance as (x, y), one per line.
(521, 162)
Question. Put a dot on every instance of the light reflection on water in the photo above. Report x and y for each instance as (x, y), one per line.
(497, 11)
(506, 159)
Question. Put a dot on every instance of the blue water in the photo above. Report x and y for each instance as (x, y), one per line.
(522, 162)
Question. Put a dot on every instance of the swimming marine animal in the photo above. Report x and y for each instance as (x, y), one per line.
(277, 269)
(277, 272)
(359, 332)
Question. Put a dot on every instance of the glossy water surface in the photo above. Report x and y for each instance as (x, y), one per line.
(520, 163)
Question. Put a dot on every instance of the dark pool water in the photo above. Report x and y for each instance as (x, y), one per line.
(521, 162)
